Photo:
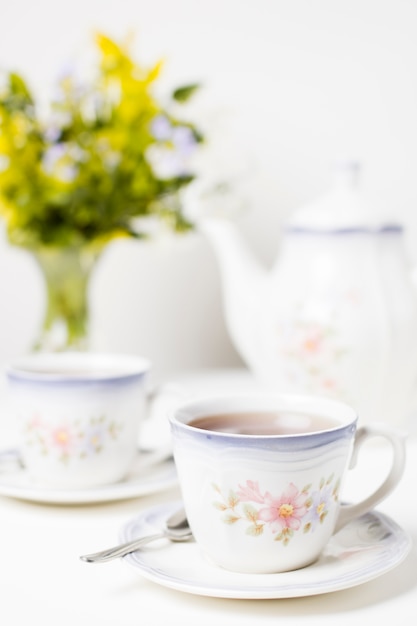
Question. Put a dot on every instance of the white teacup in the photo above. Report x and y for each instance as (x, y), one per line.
(261, 476)
(78, 416)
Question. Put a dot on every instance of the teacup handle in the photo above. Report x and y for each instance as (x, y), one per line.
(396, 438)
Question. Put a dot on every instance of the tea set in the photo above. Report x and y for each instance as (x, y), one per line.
(326, 334)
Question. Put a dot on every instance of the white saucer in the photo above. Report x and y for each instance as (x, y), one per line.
(363, 550)
(16, 483)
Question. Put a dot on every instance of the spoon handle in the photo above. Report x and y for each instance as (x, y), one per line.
(121, 550)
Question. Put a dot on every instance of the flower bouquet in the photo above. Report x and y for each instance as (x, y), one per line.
(106, 158)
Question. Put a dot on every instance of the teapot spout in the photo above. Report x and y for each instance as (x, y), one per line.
(237, 264)
(242, 280)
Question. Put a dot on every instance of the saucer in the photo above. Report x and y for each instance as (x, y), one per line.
(363, 550)
(16, 483)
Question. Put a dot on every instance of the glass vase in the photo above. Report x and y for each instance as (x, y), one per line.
(66, 271)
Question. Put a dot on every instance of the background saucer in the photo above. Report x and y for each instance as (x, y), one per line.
(140, 481)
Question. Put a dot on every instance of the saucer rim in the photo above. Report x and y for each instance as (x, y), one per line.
(244, 586)
(158, 477)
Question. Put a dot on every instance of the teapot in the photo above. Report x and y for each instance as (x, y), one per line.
(336, 314)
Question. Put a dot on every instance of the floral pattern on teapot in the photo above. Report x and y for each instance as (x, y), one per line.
(69, 440)
(284, 514)
(312, 351)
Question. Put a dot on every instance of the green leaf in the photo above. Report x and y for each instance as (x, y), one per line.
(255, 530)
(18, 87)
(230, 519)
(250, 512)
(183, 94)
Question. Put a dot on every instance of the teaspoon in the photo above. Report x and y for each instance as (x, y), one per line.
(176, 529)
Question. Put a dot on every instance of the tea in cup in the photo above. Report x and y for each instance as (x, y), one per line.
(262, 475)
(78, 416)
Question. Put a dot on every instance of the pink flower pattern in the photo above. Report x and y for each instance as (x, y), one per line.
(312, 352)
(291, 511)
(69, 440)
(286, 511)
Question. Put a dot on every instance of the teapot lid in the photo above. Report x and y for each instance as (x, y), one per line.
(343, 208)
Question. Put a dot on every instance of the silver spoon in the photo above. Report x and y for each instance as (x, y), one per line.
(176, 529)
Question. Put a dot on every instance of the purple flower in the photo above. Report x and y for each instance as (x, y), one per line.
(52, 156)
(94, 439)
(58, 161)
(183, 139)
(161, 128)
(321, 500)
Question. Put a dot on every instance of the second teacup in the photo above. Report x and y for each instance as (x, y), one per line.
(78, 416)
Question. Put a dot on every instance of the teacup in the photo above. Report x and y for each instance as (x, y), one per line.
(262, 475)
(78, 416)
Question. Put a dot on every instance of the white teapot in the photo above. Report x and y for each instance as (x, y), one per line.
(337, 313)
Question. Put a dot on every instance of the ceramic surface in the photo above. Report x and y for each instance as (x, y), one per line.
(17, 483)
(365, 549)
(78, 415)
(337, 311)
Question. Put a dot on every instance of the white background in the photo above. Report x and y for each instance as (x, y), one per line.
(288, 86)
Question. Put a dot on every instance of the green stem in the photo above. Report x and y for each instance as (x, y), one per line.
(67, 273)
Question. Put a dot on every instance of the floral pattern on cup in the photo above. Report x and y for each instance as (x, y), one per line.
(71, 439)
(283, 514)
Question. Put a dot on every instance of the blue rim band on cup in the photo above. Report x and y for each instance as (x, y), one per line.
(108, 368)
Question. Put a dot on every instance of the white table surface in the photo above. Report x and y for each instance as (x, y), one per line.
(43, 581)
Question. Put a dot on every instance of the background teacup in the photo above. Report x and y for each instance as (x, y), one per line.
(261, 476)
(78, 415)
